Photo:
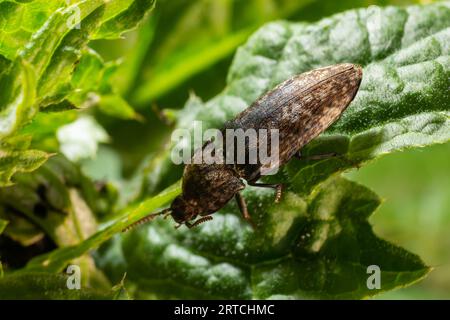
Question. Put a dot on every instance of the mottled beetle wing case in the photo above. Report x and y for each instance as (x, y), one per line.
(301, 108)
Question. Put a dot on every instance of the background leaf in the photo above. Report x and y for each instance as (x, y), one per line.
(120, 18)
(12, 161)
(220, 27)
(44, 286)
(55, 206)
(414, 213)
(304, 247)
(57, 259)
(45, 64)
(3, 224)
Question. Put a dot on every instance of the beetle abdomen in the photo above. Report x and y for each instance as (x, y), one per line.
(300, 109)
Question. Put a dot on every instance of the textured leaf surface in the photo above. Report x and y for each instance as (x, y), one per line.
(20, 19)
(316, 247)
(122, 16)
(56, 199)
(55, 206)
(43, 286)
(45, 64)
(13, 161)
(57, 259)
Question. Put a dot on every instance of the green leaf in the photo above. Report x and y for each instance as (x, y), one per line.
(53, 49)
(169, 76)
(20, 91)
(92, 83)
(21, 230)
(46, 287)
(176, 58)
(55, 200)
(47, 60)
(56, 60)
(316, 247)
(58, 259)
(317, 241)
(219, 28)
(54, 206)
(45, 64)
(120, 18)
(44, 126)
(13, 161)
(402, 102)
(19, 20)
(3, 224)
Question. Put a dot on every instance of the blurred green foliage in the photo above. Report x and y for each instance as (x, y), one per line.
(415, 186)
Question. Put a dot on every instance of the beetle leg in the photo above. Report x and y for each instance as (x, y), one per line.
(196, 223)
(278, 188)
(243, 208)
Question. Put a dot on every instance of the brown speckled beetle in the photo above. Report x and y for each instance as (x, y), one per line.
(300, 108)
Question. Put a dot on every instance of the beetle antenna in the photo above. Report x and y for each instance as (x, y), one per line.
(200, 221)
(148, 218)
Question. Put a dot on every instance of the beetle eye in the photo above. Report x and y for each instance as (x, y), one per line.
(179, 210)
(178, 216)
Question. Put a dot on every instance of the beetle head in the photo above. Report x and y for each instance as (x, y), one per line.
(182, 211)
